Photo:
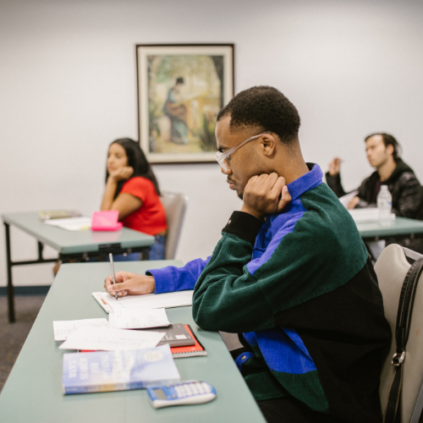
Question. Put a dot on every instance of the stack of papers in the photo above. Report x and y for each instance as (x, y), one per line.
(100, 334)
(63, 328)
(135, 318)
(71, 224)
(109, 339)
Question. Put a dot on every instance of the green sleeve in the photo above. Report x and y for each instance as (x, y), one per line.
(226, 296)
(309, 258)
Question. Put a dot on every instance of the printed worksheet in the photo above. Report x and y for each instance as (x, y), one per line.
(167, 300)
(63, 328)
(110, 339)
(138, 318)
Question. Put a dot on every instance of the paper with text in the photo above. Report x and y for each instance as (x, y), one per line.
(72, 223)
(138, 318)
(110, 339)
(167, 300)
(63, 328)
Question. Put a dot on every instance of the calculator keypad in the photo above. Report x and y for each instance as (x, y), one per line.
(192, 389)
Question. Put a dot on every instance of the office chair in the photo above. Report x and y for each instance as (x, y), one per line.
(175, 205)
(391, 269)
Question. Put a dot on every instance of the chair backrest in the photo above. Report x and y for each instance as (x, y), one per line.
(419, 214)
(391, 269)
(175, 205)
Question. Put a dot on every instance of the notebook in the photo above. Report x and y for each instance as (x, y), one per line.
(176, 335)
(193, 350)
(106, 221)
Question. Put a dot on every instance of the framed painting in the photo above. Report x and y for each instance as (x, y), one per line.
(181, 88)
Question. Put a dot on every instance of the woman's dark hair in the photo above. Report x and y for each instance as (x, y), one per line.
(388, 140)
(136, 160)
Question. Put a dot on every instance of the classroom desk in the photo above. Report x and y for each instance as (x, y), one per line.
(71, 245)
(401, 227)
(33, 391)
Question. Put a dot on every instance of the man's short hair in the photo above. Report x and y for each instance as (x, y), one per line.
(388, 139)
(265, 108)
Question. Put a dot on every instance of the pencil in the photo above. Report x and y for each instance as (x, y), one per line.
(113, 272)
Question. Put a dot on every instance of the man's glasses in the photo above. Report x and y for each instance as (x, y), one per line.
(223, 158)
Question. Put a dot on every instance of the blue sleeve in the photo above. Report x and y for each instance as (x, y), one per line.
(169, 279)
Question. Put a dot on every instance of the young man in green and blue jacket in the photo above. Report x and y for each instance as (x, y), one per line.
(290, 274)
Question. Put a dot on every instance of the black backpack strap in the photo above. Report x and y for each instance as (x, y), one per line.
(405, 311)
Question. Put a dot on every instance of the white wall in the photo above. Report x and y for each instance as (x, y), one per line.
(68, 88)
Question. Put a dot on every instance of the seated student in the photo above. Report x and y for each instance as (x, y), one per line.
(382, 152)
(290, 274)
(133, 190)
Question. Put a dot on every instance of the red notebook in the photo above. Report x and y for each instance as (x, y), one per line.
(196, 350)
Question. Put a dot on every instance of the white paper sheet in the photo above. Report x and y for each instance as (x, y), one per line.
(346, 199)
(370, 214)
(110, 339)
(137, 318)
(72, 223)
(167, 300)
(63, 328)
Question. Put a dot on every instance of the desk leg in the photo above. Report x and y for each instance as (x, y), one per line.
(145, 254)
(40, 250)
(10, 291)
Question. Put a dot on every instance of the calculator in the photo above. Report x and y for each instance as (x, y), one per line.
(184, 393)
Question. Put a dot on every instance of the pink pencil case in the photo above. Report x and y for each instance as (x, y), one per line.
(106, 221)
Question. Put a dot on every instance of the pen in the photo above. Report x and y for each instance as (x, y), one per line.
(113, 272)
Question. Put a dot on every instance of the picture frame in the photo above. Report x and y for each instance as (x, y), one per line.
(180, 90)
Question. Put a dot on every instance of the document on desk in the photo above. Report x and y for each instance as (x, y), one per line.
(71, 224)
(110, 339)
(63, 328)
(370, 214)
(138, 318)
(167, 300)
(346, 199)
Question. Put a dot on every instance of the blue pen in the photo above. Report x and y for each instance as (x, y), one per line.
(113, 272)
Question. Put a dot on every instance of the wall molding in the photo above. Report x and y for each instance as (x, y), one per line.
(26, 290)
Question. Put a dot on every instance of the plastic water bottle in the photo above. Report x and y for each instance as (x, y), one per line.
(384, 204)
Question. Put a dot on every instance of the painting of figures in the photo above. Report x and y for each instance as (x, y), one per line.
(181, 89)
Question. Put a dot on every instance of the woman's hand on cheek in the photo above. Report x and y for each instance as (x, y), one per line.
(122, 173)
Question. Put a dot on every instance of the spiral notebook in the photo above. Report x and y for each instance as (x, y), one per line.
(196, 350)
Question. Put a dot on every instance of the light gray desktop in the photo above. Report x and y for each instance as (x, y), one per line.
(33, 391)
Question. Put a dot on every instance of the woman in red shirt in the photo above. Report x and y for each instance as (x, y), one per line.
(132, 189)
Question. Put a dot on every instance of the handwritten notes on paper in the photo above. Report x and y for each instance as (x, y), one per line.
(137, 318)
(109, 339)
(167, 300)
(63, 328)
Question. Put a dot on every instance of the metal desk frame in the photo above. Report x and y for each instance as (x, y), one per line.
(101, 255)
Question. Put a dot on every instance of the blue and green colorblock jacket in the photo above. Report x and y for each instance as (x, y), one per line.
(300, 290)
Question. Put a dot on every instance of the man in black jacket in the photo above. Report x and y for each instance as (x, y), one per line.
(382, 152)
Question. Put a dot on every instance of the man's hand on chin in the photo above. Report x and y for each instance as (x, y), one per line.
(265, 194)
